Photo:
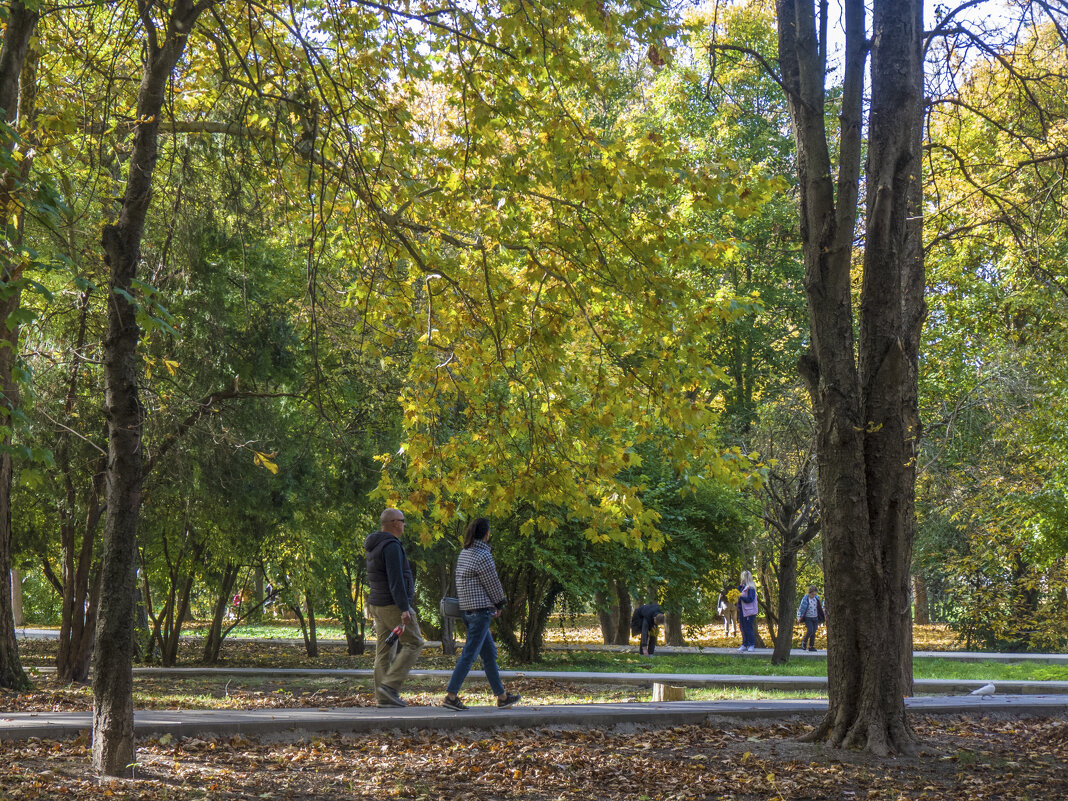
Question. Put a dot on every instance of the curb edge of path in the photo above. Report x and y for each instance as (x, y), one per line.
(288, 725)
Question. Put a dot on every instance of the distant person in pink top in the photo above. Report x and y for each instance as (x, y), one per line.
(747, 611)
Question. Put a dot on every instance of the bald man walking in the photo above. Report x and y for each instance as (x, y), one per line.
(391, 598)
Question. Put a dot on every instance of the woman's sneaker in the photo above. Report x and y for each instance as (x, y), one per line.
(454, 703)
(508, 700)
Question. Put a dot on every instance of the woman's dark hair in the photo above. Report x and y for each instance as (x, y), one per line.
(477, 529)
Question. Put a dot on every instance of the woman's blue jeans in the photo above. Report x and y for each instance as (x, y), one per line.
(748, 630)
(479, 643)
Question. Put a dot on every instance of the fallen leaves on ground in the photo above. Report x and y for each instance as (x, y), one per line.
(960, 758)
(230, 691)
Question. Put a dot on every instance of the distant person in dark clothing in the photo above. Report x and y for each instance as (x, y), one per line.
(391, 596)
(644, 622)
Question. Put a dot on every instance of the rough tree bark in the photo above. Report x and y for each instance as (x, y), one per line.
(311, 639)
(112, 667)
(864, 393)
(920, 605)
(17, 613)
(673, 630)
(607, 617)
(625, 611)
(21, 23)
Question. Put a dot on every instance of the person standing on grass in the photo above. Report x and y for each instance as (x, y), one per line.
(391, 598)
(747, 611)
(728, 610)
(481, 597)
(810, 612)
(644, 623)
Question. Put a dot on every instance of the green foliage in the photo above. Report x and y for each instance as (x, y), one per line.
(41, 604)
(993, 494)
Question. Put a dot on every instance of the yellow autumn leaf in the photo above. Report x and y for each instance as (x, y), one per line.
(265, 460)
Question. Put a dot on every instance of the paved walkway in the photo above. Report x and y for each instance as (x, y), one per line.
(643, 679)
(1011, 698)
(283, 724)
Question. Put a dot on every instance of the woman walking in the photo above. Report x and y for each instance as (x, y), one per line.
(747, 611)
(810, 611)
(481, 598)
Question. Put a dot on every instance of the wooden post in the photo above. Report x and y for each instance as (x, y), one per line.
(665, 692)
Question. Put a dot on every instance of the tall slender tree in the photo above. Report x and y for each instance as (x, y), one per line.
(21, 21)
(166, 30)
(863, 386)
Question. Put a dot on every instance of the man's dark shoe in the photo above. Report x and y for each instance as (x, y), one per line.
(454, 703)
(812, 649)
(387, 696)
(507, 701)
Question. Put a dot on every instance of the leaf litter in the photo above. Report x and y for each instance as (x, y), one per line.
(960, 758)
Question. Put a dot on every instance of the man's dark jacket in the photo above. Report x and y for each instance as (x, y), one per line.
(643, 619)
(389, 574)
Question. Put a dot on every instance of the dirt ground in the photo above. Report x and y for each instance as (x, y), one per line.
(962, 758)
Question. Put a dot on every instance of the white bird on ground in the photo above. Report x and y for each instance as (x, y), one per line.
(985, 690)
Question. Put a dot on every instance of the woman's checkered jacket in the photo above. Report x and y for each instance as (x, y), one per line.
(477, 584)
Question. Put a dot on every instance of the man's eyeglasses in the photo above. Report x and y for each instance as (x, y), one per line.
(396, 520)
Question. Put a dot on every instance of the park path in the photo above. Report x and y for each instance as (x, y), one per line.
(286, 724)
(1011, 698)
(642, 679)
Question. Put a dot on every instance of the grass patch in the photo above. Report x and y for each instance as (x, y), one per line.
(923, 668)
(988, 670)
(279, 630)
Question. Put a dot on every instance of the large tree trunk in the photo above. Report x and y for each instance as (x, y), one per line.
(921, 607)
(607, 617)
(625, 611)
(21, 23)
(673, 629)
(311, 639)
(113, 740)
(866, 414)
(787, 580)
(17, 613)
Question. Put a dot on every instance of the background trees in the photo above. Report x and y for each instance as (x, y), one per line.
(544, 262)
(992, 492)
